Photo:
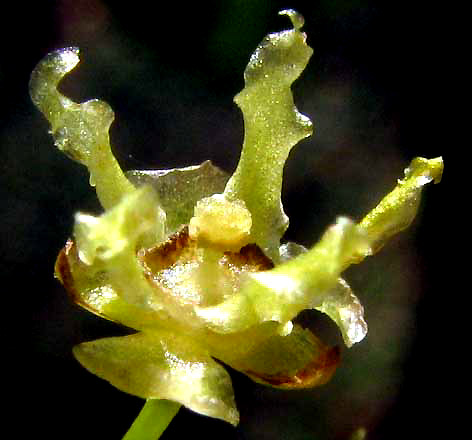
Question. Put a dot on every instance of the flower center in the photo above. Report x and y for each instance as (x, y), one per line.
(197, 275)
(220, 224)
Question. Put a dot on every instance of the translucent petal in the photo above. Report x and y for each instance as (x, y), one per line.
(398, 208)
(90, 287)
(162, 365)
(290, 250)
(345, 309)
(179, 189)
(110, 243)
(273, 126)
(79, 130)
(340, 303)
(301, 283)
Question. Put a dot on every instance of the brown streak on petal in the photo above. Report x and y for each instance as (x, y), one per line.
(166, 254)
(180, 246)
(316, 373)
(175, 268)
(251, 258)
(62, 270)
(67, 258)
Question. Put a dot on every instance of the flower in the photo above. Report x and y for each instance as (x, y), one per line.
(192, 259)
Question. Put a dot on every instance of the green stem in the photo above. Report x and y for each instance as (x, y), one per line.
(152, 420)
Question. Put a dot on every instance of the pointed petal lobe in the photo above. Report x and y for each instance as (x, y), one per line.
(398, 208)
(162, 365)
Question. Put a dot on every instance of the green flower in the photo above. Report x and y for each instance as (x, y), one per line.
(192, 259)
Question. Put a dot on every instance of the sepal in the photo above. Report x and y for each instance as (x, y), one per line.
(162, 365)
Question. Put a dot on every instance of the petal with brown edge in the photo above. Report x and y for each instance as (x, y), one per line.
(298, 360)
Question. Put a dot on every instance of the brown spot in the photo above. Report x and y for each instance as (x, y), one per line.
(251, 258)
(316, 373)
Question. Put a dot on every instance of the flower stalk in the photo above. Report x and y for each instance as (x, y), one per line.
(153, 420)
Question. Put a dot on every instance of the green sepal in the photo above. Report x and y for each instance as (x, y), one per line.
(178, 190)
(162, 365)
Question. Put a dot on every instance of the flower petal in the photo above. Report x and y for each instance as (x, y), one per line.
(108, 244)
(303, 282)
(89, 286)
(345, 309)
(340, 303)
(398, 208)
(296, 360)
(79, 130)
(179, 189)
(162, 365)
(273, 126)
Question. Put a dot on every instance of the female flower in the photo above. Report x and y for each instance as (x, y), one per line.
(193, 261)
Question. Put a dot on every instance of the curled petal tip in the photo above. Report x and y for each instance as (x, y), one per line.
(47, 75)
(56, 64)
(296, 18)
(437, 166)
(66, 59)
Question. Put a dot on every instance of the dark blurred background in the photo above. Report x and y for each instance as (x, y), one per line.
(376, 89)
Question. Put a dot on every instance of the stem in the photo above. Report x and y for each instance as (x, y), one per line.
(152, 420)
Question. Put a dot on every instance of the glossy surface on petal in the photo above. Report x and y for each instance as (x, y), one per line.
(79, 130)
(162, 365)
(273, 126)
(398, 208)
(345, 309)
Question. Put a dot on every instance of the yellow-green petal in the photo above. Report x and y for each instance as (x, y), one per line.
(339, 303)
(301, 283)
(80, 130)
(398, 208)
(273, 125)
(162, 365)
(296, 360)
(90, 287)
(110, 242)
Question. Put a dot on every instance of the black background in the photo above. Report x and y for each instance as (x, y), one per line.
(378, 89)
